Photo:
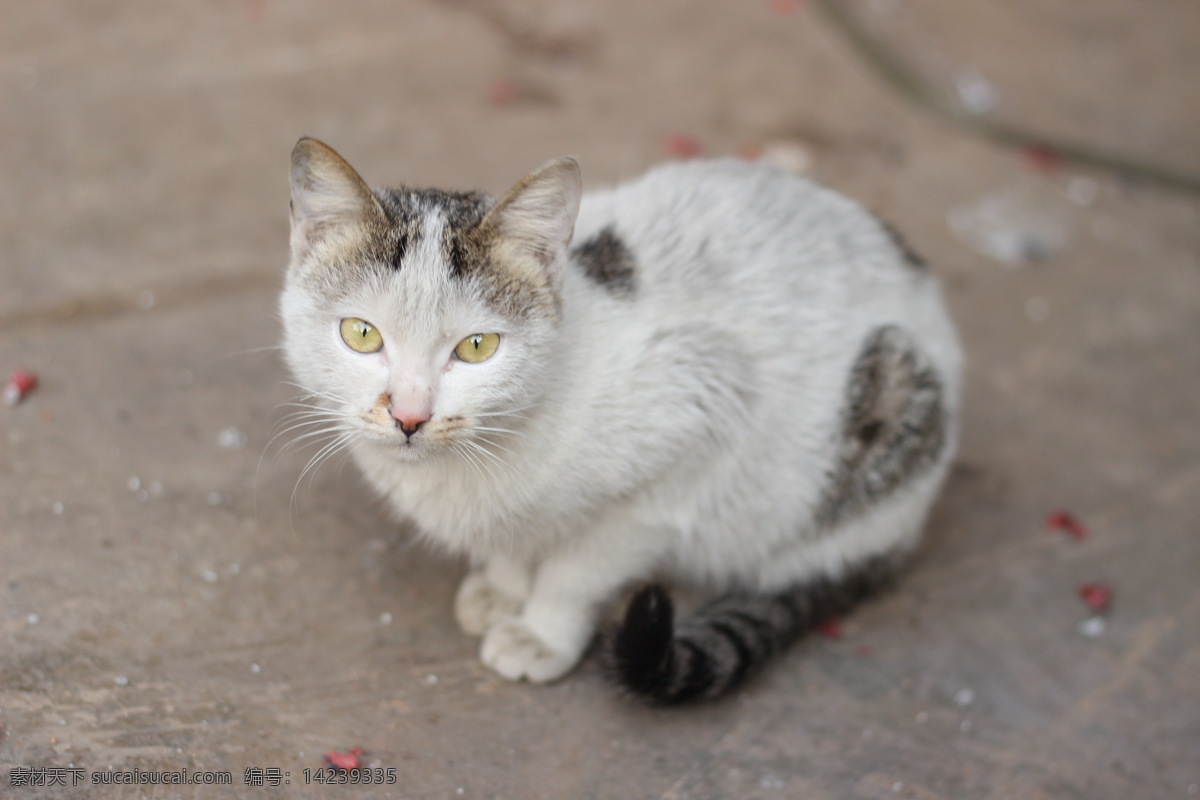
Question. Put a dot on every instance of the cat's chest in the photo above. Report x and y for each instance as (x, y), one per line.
(459, 505)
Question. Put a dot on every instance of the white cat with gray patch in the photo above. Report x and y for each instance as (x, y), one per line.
(718, 375)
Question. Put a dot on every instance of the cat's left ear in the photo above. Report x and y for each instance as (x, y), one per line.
(327, 196)
(535, 219)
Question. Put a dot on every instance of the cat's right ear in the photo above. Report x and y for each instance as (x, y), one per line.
(535, 219)
(327, 196)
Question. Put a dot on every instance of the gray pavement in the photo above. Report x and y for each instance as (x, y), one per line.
(169, 603)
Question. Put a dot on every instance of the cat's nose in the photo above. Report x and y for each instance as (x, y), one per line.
(409, 420)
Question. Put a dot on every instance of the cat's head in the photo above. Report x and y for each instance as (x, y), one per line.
(420, 319)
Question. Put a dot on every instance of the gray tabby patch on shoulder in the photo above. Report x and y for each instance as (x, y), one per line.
(607, 261)
(893, 424)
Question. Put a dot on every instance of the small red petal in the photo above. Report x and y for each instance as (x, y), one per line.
(785, 7)
(256, 9)
(501, 92)
(831, 628)
(20, 384)
(344, 761)
(1097, 596)
(1042, 159)
(1068, 524)
(680, 145)
(750, 152)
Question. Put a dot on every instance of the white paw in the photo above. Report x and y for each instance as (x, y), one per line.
(514, 651)
(479, 605)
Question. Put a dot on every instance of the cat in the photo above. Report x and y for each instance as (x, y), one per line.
(719, 375)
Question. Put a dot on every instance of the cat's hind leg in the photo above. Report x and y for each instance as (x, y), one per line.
(490, 595)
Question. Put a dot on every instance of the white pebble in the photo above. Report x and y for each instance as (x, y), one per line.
(1083, 191)
(792, 156)
(385, 618)
(431, 679)
(770, 782)
(897, 787)
(235, 568)
(1037, 308)
(58, 508)
(146, 299)
(214, 498)
(976, 93)
(255, 668)
(121, 680)
(32, 619)
(964, 697)
(459, 790)
(232, 439)
(209, 575)
(1093, 627)
(134, 483)
(922, 717)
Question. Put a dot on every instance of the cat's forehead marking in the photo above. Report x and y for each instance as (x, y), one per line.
(434, 239)
(409, 208)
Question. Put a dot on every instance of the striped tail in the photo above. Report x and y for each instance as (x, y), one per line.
(729, 639)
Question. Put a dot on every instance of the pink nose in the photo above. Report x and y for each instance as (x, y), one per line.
(409, 418)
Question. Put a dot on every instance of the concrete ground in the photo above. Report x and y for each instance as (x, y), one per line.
(170, 603)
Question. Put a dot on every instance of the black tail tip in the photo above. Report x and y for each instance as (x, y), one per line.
(641, 651)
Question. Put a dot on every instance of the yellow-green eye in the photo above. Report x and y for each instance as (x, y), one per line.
(477, 347)
(361, 335)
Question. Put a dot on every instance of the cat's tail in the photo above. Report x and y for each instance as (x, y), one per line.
(726, 641)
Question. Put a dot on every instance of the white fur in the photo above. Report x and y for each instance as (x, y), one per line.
(685, 432)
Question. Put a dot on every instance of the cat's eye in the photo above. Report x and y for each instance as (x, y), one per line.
(361, 335)
(477, 347)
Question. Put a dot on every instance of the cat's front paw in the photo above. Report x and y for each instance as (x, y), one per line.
(479, 605)
(515, 651)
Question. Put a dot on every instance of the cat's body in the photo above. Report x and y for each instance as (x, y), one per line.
(727, 377)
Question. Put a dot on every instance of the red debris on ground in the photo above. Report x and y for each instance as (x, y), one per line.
(501, 92)
(831, 628)
(863, 651)
(785, 7)
(680, 145)
(256, 9)
(1068, 524)
(1097, 596)
(20, 384)
(1042, 159)
(344, 761)
(750, 152)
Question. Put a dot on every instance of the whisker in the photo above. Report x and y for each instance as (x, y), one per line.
(468, 458)
(488, 429)
(322, 455)
(496, 445)
(477, 447)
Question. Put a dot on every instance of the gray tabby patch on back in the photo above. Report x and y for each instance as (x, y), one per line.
(893, 424)
(607, 261)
